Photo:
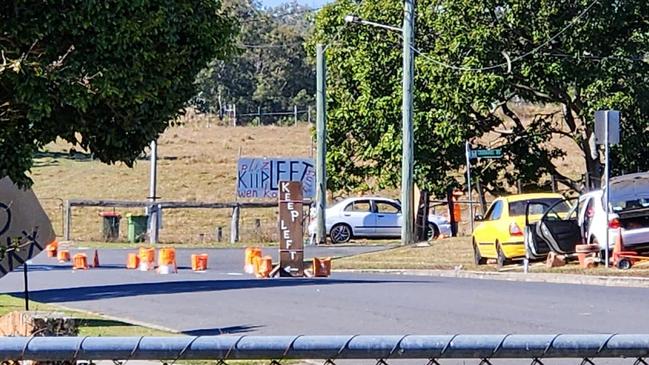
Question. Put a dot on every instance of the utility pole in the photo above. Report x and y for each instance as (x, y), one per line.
(467, 152)
(607, 186)
(407, 162)
(321, 132)
(153, 209)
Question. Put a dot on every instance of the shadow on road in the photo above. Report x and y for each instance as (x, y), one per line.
(221, 331)
(38, 267)
(172, 287)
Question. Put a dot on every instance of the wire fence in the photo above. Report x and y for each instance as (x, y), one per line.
(430, 348)
(181, 222)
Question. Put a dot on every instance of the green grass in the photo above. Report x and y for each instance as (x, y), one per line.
(89, 324)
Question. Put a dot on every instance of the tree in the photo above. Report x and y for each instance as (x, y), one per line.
(107, 76)
(364, 102)
(569, 57)
(271, 70)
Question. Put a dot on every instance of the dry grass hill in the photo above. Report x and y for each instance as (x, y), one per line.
(197, 161)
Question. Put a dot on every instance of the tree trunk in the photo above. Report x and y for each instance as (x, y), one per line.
(593, 165)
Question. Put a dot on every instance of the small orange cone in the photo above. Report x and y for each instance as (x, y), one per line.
(619, 251)
(132, 261)
(63, 256)
(52, 249)
(80, 262)
(95, 260)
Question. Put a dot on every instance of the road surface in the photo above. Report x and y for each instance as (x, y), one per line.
(222, 300)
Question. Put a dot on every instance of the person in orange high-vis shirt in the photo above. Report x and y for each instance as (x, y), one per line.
(456, 209)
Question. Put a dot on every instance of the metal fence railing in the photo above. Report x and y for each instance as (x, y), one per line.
(328, 348)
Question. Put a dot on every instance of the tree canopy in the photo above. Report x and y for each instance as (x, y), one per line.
(107, 76)
(569, 57)
(271, 70)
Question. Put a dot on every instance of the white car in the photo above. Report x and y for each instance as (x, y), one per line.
(629, 211)
(588, 222)
(370, 217)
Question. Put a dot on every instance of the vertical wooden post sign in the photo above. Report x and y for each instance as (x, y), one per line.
(291, 241)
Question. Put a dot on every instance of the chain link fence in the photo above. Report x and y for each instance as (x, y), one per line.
(536, 349)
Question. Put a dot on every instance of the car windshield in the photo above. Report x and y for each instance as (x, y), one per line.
(538, 206)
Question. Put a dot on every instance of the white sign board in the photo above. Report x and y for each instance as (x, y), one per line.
(260, 177)
(613, 126)
(25, 229)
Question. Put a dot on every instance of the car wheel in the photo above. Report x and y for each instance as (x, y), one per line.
(501, 260)
(432, 231)
(340, 233)
(477, 257)
(624, 264)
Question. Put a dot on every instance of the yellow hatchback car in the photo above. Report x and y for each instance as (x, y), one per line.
(499, 235)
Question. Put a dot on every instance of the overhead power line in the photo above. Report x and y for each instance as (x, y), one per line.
(270, 45)
(296, 12)
(515, 59)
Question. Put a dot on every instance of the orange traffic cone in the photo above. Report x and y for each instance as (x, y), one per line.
(619, 252)
(80, 262)
(63, 256)
(95, 260)
(132, 261)
(618, 248)
(52, 249)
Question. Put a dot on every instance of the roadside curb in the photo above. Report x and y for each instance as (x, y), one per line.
(613, 281)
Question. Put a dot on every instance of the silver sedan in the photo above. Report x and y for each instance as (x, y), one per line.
(371, 217)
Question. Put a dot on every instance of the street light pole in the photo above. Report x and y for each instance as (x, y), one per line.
(321, 127)
(407, 161)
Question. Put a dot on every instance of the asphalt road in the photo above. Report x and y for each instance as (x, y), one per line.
(222, 300)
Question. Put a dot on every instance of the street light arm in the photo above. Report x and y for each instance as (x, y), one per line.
(358, 20)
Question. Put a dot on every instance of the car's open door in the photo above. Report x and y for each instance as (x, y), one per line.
(536, 246)
(559, 228)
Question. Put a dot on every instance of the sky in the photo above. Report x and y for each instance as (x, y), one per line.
(311, 3)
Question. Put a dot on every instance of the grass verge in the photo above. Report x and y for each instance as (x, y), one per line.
(457, 253)
(89, 324)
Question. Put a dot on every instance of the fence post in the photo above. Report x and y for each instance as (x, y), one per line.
(67, 220)
(234, 226)
(553, 181)
(219, 234)
(259, 115)
(308, 114)
(295, 114)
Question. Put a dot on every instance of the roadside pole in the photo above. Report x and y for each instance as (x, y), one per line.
(321, 133)
(26, 282)
(467, 150)
(407, 161)
(153, 211)
(607, 171)
(607, 131)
